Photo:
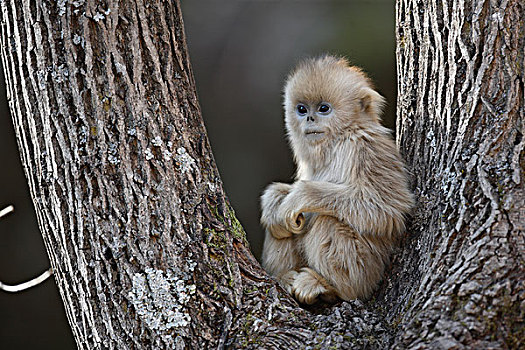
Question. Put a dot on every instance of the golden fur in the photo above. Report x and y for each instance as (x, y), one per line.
(330, 234)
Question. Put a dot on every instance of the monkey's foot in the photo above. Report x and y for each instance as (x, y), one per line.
(308, 285)
(287, 280)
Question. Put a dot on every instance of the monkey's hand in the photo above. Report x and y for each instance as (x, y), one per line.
(291, 211)
(270, 202)
(295, 223)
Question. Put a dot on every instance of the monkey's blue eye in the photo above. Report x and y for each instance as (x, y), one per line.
(301, 109)
(324, 108)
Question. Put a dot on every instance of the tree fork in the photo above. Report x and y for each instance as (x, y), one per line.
(146, 249)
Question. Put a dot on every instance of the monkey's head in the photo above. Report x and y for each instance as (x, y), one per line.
(325, 100)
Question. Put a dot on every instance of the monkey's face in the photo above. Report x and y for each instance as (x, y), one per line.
(312, 119)
(326, 100)
(319, 101)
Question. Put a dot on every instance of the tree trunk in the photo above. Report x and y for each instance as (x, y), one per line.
(146, 250)
(460, 125)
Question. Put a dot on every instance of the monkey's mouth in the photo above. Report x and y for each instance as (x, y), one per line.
(314, 135)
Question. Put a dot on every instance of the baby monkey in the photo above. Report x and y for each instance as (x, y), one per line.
(329, 235)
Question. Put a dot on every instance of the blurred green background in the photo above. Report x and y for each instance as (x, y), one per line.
(241, 52)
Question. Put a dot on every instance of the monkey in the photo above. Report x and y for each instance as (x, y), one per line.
(329, 235)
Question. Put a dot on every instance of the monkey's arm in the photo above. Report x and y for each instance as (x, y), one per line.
(270, 219)
(367, 209)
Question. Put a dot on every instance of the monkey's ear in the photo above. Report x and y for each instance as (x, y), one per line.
(371, 102)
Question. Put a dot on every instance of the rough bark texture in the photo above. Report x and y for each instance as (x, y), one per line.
(146, 249)
(125, 188)
(461, 124)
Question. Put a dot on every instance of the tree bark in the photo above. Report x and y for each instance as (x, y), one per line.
(146, 249)
(460, 125)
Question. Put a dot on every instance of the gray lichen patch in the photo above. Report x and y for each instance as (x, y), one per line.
(101, 16)
(149, 155)
(160, 299)
(184, 160)
(61, 5)
(157, 141)
(167, 154)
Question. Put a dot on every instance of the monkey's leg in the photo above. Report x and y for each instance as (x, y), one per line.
(281, 258)
(309, 284)
(352, 263)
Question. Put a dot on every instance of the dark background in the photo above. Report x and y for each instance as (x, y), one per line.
(241, 52)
